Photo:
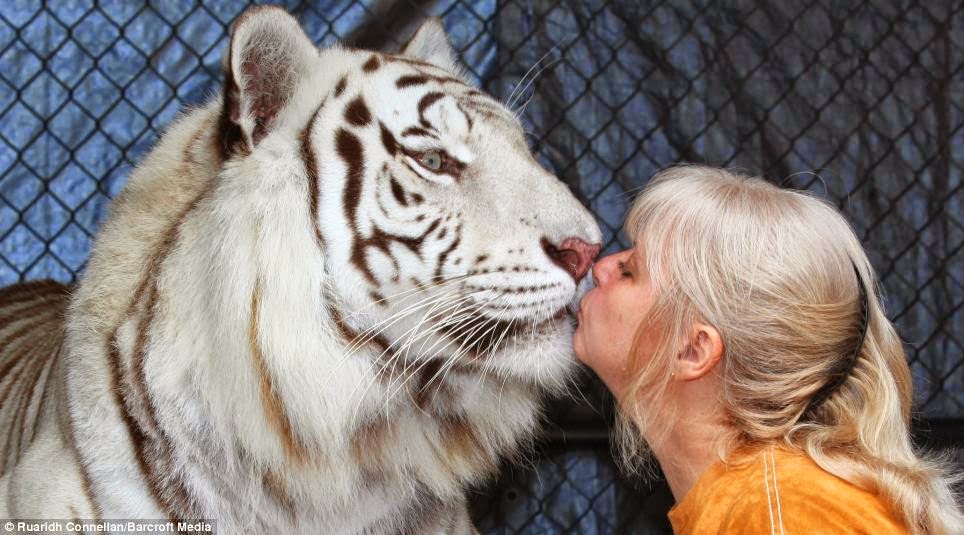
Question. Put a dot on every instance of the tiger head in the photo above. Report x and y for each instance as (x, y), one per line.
(445, 244)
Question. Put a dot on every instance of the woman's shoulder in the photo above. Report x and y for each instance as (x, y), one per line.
(801, 496)
(773, 490)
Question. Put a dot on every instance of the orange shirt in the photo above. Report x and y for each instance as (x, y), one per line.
(779, 492)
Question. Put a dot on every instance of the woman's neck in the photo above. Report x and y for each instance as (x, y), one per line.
(690, 446)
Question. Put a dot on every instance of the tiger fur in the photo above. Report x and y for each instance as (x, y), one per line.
(326, 302)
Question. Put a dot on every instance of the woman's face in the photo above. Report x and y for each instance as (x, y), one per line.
(610, 314)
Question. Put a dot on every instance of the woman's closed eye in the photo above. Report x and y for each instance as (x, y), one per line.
(624, 270)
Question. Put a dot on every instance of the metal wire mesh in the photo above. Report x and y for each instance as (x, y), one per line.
(861, 101)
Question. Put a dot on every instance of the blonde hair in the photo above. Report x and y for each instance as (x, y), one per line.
(773, 271)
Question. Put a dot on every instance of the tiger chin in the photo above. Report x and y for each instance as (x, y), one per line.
(326, 302)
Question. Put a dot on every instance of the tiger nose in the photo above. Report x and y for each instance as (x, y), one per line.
(573, 255)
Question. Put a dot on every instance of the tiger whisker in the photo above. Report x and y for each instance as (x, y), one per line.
(543, 308)
(394, 317)
(518, 113)
(488, 360)
(436, 326)
(460, 351)
(454, 319)
(440, 301)
(448, 365)
(372, 332)
(407, 336)
(450, 361)
(430, 283)
(360, 341)
(505, 378)
(510, 99)
(405, 377)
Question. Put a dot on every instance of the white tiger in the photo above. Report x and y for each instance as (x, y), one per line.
(326, 302)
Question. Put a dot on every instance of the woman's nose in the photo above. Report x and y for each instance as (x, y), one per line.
(603, 269)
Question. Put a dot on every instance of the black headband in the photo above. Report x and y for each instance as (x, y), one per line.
(841, 376)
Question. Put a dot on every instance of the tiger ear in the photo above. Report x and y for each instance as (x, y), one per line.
(431, 44)
(268, 55)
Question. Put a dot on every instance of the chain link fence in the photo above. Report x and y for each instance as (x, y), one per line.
(861, 101)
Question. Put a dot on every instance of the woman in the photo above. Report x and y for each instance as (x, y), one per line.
(747, 348)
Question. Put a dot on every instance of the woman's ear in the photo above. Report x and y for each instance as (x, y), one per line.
(702, 353)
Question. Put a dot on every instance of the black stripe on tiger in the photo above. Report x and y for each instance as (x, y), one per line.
(419, 516)
(348, 334)
(417, 131)
(382, 241)
(147, 449)
(356, 113)
(138, 438)
(468, 118)
(275, 486)
(350, 150)
(445, 254)
(396, 58)
(372, 64)
(311, 170)
(478, 335)
(412, 80)
(424, 103)
(430, 372)
(25, 306)
(397, 191)
(33, 322)
(12, 380)
(427, 100)
(489, 109)
(388, 140)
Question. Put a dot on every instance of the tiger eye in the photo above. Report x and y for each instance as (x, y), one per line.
(431, 160)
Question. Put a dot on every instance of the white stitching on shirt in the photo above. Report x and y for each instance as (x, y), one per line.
(776, 489)
(766, 481)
